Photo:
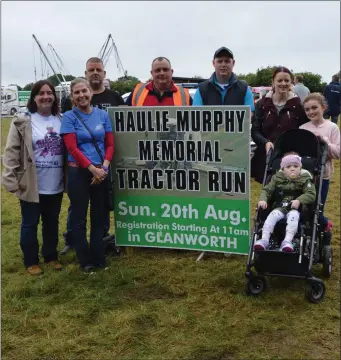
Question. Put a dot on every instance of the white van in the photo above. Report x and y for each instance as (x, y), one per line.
(13, 100)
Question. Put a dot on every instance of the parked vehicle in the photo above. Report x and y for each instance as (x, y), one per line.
(13, 100)
(62, 90)
(259, 91)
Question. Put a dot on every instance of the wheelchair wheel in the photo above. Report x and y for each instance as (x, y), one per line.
(315, 291)
(256, 285)
(327, 261)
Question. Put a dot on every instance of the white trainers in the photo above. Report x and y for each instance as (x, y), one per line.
(261, 244)
(286, 246)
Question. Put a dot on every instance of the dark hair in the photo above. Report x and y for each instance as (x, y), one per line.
(32, 105)
(336, 77)
(299, 78)
(279, 69)
(161, 58)
(95, 60)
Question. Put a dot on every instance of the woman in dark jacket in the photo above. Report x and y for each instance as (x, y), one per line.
(280, 110)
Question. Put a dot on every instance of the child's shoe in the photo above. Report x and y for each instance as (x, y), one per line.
(261, 244)
(329, 226)
(286, 246)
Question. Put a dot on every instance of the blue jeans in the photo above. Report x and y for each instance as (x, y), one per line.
(80, 192)
(68, 235)
(324, 193)
(48, 209)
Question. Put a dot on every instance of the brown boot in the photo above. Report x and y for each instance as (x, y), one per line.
(55, 265)
(34, 270)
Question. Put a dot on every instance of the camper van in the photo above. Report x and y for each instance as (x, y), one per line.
(13, 100)
(60, 91)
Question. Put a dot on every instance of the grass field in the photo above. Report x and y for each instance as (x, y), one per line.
(155, 306)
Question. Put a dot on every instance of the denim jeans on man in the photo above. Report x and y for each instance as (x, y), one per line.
(48, 209)
(80, 191)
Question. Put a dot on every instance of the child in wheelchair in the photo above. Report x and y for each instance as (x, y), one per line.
(288, 191)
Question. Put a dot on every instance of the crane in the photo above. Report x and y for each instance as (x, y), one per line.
(61, 67)
(105, 52)
(48, 61)
(63, 91)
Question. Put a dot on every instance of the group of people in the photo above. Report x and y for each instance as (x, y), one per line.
(280, 110)
(47, 154)
(331, 93)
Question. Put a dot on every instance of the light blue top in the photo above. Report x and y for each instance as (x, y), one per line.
(99, 123)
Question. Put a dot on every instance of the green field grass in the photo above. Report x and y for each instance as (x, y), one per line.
(155, 305)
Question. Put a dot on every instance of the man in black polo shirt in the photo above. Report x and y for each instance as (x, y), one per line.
(102, 98)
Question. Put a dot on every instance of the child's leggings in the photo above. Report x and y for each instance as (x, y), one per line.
(276, 215)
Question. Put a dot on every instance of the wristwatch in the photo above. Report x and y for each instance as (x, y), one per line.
(105, 168)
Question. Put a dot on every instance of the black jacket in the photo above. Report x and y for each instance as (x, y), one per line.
(211, 92)
(333, 97)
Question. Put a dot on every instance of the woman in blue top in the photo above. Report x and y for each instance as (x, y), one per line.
(87, 172)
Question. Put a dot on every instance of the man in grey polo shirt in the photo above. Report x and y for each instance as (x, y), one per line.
(299, 89)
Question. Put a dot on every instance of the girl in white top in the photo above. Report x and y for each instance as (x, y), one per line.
(314, 106)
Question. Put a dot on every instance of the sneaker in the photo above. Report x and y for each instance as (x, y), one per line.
(55, 265)
(286, 246)
(261, 244)
(328, 226)
(102, 266)
(34, 270)
(88, 269)
(66, 249)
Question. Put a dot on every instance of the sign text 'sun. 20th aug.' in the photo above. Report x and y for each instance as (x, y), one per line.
(177, 211)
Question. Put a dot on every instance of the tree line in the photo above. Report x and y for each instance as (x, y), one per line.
(262, 77)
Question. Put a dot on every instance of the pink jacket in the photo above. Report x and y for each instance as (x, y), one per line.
(331, 135)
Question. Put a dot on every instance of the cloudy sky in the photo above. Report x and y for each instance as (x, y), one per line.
(304, 36)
